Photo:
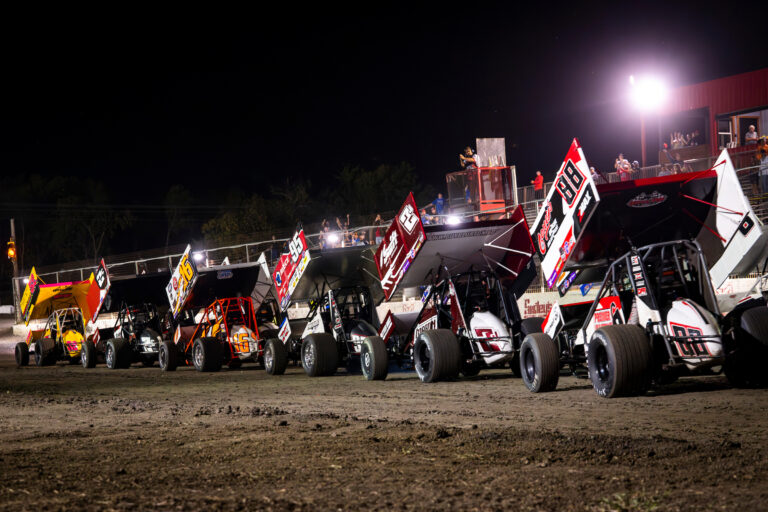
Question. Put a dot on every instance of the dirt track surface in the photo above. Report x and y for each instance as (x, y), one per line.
(240, 440)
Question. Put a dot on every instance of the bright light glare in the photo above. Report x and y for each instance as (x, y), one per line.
(647, 93)
(333, 238)
(453, 220)
(26, 280)
(197, 256)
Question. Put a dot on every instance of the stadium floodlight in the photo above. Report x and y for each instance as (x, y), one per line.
(333, 238)
(198, 256)
(453, 220)
(647, 93)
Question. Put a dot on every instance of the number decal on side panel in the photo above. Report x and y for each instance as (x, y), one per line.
(408, 218)
(295, 247)
(569, 183)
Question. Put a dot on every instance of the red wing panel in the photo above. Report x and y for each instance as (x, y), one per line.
(290, 268)
(402, 242)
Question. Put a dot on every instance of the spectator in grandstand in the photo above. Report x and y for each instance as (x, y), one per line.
(274, 250)
(596, 177)
(664, 171)
(425, 219)
(343, 225)
(439, 203)
(635, 166)
(467, 194)
(750, 138)
(379, 230)
(468, 159)
(436, 219)
(622, 168)
(538, 186)
(762, 155)
(677, 169)
(361, 239)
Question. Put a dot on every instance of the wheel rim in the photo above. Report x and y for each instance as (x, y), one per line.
(530, 365)
(110, 356)
(162, 357)
(602, 364)
(198, 355)
(309, 355)
(268, 358)
(18, 355)
(424, 358)
(366, 359)
(84, 357)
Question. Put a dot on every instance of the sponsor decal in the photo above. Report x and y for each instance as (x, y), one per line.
(387, 326)
(566, 282)
(427, 324)
(585, 288)
(285, 331)
(224, 274)
(425, 295)
(290, 268)
(29, 297)
(408, 218)
(746, 225)
(537, 308)
(608, 312)
(644, 200)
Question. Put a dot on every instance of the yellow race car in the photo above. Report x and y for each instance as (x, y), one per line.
(70, 310)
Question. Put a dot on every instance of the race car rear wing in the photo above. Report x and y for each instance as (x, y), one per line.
(412, 254)
(40, 299)
(569, 206)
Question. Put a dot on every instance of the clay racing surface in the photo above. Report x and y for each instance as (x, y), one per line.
(240, 440)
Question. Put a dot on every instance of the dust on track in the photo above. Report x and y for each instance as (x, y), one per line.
(98, 439)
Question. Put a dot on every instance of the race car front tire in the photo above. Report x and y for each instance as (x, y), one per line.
(527, 326)
(745, 364)
(207, 355)
(539, 363)
(45, 352)
(436, 355)
(88, 354)
(21, 353)
(619, 360)
(275, 357)
(116, 354)
(167, 356)
(374, 361)
(319, 355)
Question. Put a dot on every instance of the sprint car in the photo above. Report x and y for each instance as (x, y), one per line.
(225, 330)
(70, 310)
(659, 247)
(340, 290)
(472, 274)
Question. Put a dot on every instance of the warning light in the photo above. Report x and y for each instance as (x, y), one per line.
(11, 250)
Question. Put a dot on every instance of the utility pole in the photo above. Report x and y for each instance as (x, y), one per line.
(15, 281)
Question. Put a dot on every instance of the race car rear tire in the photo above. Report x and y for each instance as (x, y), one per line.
(116, 354)
(88, 354)
(207, 354)
(235, 363)
(539, 363)
(619, 360)
(527, 326)
(319, 355)
(275, 357)
(167, 356)
(744, 366)
(21, 353)
(45, 352)
(436, 355)
(374, 361)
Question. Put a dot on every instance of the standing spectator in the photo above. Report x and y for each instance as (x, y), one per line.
(596, 177)
(435, 218)
(538, 186)
(379, 233)
(750, 138)
(274, 251)
(468, 159)
(762, 155)
(361, 240)
(467, 194)
(622, 168)
(439, 203)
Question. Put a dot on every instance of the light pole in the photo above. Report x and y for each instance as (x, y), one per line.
(647, 95)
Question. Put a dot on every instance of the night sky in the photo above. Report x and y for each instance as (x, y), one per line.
(144, 100)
